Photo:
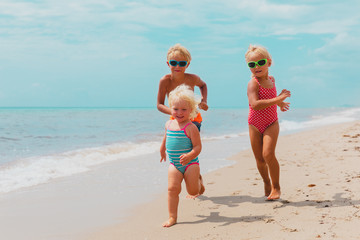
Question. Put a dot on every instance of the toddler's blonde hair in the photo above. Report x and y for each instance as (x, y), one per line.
(178, 49)
(258, 49)
(184, 92)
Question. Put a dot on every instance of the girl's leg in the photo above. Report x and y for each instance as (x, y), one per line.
(256, 139)
(193, 181)
(175, 178)
(269, 143)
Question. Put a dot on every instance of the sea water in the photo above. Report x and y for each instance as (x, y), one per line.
(40, 145)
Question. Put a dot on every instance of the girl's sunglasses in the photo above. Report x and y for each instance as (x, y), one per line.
(175, 63)
(260, 63)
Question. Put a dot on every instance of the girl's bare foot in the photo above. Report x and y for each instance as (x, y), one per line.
(170, 222)
(275, 194)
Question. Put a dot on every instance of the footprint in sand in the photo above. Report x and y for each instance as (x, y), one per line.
(290, 230)
(270, 220)
(354, 136)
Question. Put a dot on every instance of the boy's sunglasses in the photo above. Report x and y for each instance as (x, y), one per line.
(175, 63)
(260, 63)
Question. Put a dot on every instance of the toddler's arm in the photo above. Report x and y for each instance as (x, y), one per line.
(163, 149)
(193, 132)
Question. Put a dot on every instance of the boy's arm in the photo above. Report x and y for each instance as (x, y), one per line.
(203, 90)
(161, 97)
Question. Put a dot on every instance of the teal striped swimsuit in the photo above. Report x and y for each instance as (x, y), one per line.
(178, 143)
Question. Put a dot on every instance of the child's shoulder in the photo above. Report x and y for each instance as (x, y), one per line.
(165, 82)
(253, 81)
(253, 85)
(192, 79)
(167, 123)
(166, 78)
(191, 128)
(192, 75)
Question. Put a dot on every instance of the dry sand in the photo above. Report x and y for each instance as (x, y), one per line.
(320, 180)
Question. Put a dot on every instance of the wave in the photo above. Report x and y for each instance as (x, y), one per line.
(38, 170)
(224, 136)
(347, 115)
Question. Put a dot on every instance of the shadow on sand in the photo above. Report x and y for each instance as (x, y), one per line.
(235, 201)
(215, 217)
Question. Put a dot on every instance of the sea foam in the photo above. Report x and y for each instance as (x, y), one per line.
(37, 170)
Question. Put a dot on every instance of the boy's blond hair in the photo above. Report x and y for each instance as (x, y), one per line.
(184, 92)
(258, 49)
(178, 49)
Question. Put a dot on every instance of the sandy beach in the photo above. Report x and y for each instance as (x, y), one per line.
(320, 179)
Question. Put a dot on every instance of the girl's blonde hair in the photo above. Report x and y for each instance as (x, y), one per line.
(184, 92)
(258, 49)
(178, 49)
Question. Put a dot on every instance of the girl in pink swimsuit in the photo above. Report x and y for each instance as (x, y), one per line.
(263, 119)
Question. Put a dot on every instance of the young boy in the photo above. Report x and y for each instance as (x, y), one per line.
(178, 59)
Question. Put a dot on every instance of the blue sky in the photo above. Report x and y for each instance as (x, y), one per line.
(111, 53)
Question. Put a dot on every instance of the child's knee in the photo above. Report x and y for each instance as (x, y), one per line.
(174, 190)
(268, 155)
(193, 191)
(260, 160)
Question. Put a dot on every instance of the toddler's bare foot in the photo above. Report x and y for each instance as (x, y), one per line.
(170, 222)
(192, 196)
(275, 194)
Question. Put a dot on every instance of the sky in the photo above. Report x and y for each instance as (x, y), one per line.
(112, 53)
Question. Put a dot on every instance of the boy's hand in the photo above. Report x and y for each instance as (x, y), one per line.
(203, 105)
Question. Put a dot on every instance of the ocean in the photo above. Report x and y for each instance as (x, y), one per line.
(41, 145)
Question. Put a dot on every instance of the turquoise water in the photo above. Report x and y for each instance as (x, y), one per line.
(38, 145)
(31, 132)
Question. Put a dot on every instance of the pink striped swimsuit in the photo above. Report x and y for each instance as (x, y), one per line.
(262, 119)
